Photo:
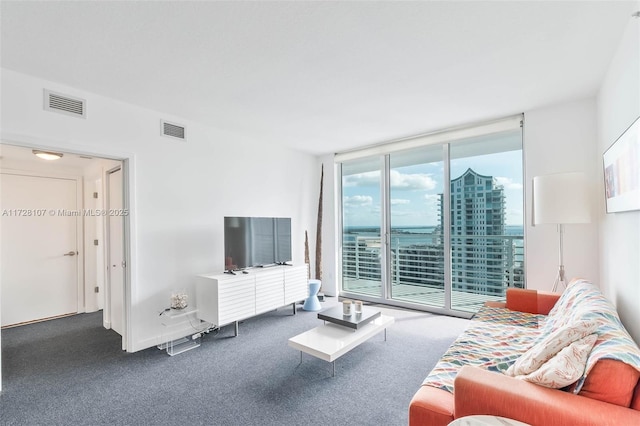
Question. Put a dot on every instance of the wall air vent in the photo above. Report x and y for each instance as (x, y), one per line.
(64, 104)
(173, 130)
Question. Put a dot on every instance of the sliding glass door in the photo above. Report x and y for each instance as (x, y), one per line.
(362, 266)
(487, 247)
(416, 245)
(436, 226)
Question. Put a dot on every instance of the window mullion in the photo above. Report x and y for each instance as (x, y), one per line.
(446, 224)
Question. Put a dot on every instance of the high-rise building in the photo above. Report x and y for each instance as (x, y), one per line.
(478, 253)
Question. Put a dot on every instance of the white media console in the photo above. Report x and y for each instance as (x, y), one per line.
(224, 298)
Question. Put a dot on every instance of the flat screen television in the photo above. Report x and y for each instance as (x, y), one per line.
(256, 242)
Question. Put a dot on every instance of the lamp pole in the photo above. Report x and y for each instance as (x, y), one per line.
(560, 277)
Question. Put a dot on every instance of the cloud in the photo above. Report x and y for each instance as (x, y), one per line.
(508, 183)
(398, 180)
(363, 179)
(358, 201)
(411, 181)
(398, 201)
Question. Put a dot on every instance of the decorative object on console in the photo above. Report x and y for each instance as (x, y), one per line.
(306, 253)
(319, 230)
(622, 171)
(179, 300)
(346, 307)
(561, 199)
(312, 303)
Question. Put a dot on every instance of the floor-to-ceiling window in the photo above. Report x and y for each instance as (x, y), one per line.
(436, 221)
(486, 233)
(362, 265)
(416, 243)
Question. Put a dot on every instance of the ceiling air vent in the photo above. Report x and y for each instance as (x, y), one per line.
(64, 104)
(173, 130)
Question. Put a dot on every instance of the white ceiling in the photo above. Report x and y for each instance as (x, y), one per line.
(321, 76)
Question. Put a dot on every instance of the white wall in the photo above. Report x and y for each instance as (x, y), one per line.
(181, 189)
(618, 107)
(561, 138)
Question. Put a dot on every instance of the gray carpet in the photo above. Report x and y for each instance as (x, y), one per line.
(71, 371)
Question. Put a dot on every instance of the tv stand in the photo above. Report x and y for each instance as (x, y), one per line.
(224, 299)
(230, 272)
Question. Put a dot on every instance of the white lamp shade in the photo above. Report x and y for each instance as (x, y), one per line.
(561, 198)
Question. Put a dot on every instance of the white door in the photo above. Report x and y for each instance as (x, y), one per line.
(115, 267)
(38, 233)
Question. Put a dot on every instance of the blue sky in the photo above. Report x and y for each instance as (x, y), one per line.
(415, 189)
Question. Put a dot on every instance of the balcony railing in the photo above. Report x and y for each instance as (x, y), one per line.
(484, 266)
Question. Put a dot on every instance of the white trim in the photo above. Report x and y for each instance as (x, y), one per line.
(385, 228)
(439, 137)
(338, 231)
(446, 224)
(107, 251)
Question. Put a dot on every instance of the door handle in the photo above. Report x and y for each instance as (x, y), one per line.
(71, 253)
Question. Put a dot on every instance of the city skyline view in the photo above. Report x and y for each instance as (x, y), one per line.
(414, 190)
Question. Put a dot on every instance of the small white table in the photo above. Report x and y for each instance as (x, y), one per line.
(330, 341)
(486, 420)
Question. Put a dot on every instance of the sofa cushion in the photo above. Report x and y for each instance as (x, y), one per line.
(431, 406)
(522, 300)
(564, 367)
(600, 384)
(635, 402)
(548, 346)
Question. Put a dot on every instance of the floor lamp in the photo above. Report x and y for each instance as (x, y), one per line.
(561, 199)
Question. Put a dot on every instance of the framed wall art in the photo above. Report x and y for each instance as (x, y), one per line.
(622, 171)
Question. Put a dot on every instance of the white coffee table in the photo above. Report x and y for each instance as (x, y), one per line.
(485, 420)
(330, 341)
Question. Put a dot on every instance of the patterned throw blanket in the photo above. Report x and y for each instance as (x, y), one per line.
(582, 300)
(495, 338)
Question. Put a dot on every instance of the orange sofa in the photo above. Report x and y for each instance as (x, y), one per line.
(609, 394)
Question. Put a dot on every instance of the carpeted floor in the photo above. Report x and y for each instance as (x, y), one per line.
(71, 371)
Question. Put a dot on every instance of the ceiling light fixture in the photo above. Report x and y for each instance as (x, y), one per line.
(47, 155)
